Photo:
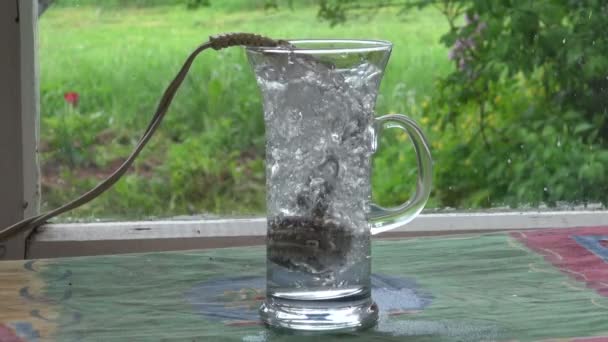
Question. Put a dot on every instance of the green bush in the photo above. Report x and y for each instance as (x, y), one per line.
(206, 171)
(70, 140)
(193, 4)
(522, 151)
(523, 120)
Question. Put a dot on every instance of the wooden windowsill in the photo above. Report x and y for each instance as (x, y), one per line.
(79, 239)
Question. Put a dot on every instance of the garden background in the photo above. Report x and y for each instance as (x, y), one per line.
(513, 96)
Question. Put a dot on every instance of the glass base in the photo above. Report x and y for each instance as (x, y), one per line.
(324, 315)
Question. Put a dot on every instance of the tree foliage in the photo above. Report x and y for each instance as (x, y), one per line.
(523, 117)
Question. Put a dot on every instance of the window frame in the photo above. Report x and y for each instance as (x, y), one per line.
(74, 239)
(19, 105)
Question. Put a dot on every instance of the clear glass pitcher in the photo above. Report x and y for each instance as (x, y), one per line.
(321, 133)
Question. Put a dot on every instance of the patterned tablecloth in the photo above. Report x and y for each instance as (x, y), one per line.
(519, 286)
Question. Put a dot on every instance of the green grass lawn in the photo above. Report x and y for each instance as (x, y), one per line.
(207, 158)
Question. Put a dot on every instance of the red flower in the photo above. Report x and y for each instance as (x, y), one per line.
(71, 97)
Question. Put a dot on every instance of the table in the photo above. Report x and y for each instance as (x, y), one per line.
(550, 284)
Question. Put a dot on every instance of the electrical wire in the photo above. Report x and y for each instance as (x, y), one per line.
(215, 42)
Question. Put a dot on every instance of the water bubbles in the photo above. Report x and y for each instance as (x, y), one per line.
(274, 169)
(318, 120)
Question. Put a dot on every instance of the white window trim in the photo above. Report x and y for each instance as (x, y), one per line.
(73, 239)
(54, 240)
(30, 105)
(19, 101)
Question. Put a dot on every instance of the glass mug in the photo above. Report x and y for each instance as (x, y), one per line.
(319, 98)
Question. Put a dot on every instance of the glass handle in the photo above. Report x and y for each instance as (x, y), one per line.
(383, 219)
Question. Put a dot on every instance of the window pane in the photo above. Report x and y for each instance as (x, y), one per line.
(513, 98)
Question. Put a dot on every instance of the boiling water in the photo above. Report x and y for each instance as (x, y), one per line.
(319, 142)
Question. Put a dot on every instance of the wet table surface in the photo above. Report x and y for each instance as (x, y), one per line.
(518, 286)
